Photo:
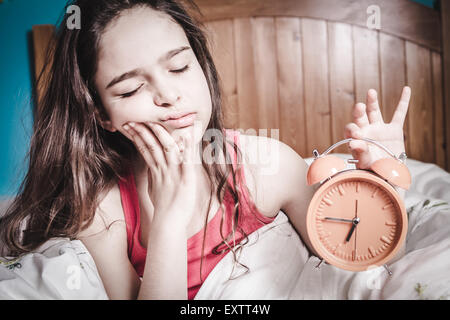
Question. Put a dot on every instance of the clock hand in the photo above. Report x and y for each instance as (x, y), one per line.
(350, 233)
(356, 232)
(355, 222)
(338, 219)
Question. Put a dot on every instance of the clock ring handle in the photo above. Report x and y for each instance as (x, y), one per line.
(393, 170)
(402, 157)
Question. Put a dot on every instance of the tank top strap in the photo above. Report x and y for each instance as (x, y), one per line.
(131, 210)
(232, 144)
(234, 137)
(249, 205)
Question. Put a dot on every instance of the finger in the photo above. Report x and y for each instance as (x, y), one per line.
(373, 108)
(127, 131)
(352, 130)
(180, 144)
(360, 115)
(189, 151)
(140, 146)
(358, 146)
(150, 143)
(168, 144)
(402, 107)
(181, 147)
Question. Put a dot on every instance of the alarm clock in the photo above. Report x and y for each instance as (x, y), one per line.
(356, 219)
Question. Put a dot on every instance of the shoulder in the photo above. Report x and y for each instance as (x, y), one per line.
(106, 241)
(280, 174)
(108, 215)
(273, 158)
(276, 172)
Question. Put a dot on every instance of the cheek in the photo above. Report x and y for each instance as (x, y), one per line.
(200, 92)
(202, 84)
(133, 110)
(119, 118)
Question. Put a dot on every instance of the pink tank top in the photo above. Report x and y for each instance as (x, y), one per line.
(250, 220)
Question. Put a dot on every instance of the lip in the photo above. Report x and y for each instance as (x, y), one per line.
(175, 115)
(180, 120)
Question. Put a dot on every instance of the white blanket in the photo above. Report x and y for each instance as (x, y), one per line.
(280, 267)
(59, 269)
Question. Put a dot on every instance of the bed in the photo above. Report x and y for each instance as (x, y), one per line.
(319, 57)
(64, 269)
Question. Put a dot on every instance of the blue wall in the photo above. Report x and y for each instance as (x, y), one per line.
(16, 19)
(428, 3)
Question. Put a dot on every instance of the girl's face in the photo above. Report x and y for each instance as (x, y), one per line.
(148, 71)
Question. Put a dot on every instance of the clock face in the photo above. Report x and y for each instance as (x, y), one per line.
(356, 222)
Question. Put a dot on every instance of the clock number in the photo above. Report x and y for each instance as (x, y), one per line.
(385, 239)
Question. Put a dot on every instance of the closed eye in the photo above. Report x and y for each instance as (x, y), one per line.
(129, 94)
(181, 70)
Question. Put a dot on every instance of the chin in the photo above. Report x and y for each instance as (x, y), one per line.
(196, 130)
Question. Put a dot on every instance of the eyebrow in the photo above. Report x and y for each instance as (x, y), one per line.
(140, 71)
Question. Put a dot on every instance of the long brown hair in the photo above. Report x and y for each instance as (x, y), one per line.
(72, 159)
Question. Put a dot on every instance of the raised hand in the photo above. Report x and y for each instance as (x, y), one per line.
(368, 123)
(172, 181)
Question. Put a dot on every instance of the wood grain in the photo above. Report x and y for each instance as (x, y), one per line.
(420, 144)
(366, 59)
(401, 18)
(42, 35)
(245, 74)
(265, 60)
(222, 49)
(290, 84)
(445, 18)
(393, 72)
(342, 94)
(439, 112)
(317, 103)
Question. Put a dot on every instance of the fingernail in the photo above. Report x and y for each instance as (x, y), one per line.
(180, 144)
(132, 124)
(126, 127)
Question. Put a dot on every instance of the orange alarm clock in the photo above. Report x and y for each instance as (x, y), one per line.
(356, 219)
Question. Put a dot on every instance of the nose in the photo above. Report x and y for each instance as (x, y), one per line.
(166, 95)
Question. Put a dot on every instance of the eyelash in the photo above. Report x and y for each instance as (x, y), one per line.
(181, 70)
(129, 94)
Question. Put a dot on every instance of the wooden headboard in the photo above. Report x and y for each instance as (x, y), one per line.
(300, 65)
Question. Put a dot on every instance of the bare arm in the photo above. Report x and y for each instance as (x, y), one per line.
(172, 178)
(165, 272)
(108, 247)
(297, 196)
(280, 176)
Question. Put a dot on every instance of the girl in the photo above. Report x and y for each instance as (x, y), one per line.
(117, 159)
